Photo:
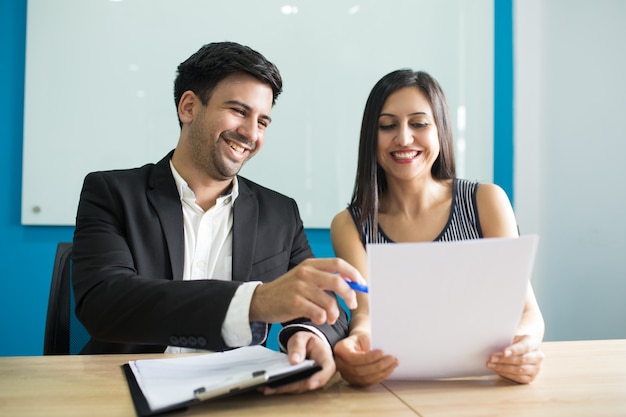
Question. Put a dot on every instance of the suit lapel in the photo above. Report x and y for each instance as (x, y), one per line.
(245, 222)
(165, 200)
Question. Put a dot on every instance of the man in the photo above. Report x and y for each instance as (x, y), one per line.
(187, 254)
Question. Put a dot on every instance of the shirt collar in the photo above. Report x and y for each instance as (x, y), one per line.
(187, 193)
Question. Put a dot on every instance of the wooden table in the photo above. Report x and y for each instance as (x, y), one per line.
(586, 378)
(92, 386)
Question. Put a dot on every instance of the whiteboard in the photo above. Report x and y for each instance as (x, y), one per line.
(100, 73)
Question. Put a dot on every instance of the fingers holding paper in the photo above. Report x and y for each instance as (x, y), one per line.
(302, 292)
(519, 362)
(307, 345)
(358, 364)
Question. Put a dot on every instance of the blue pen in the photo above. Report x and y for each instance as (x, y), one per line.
(357, 287)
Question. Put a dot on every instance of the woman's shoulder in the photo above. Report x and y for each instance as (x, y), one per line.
(489, 192)
(341, 219)
(343, 231)
(495, 210)
(462, 183)
(483, 190)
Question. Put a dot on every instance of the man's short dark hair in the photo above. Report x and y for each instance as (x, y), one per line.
(203, 70)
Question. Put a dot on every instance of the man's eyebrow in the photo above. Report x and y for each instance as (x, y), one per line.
(248, 108)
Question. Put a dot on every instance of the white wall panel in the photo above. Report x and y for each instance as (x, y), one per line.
(99, 80)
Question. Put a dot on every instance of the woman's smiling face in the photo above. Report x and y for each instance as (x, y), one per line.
(408, 141)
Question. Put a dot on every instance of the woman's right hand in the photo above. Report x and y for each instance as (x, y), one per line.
(358, 364)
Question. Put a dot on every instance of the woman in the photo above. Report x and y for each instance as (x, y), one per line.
(406, 190)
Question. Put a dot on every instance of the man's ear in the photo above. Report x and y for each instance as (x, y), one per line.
(187, 106)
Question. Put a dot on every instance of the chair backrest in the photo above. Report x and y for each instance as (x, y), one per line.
(64, 334)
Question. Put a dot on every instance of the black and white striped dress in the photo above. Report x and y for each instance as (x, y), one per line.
(463, 222)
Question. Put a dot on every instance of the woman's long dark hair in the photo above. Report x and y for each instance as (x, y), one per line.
(371, 180)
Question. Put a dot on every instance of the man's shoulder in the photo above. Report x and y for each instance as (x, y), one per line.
(131, 179)
(141, 173)
(253, 188)
(124, 172)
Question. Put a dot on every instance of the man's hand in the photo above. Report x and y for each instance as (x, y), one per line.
(359, 365)
(520, 362)
(300, 293)
(307, 345)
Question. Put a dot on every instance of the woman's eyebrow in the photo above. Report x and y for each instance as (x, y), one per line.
(412, 114)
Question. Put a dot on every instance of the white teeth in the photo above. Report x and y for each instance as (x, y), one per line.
(405, 154)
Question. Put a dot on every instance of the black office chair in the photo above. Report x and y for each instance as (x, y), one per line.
(64, 334)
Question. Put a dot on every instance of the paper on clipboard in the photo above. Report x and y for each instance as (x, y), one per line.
(159, 385)
(443, 307)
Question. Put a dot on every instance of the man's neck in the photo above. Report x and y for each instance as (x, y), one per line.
(206, 190)
(207, 194)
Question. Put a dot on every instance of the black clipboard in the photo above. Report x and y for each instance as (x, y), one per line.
(257, 379)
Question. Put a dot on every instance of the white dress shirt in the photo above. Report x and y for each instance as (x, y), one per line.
(208, 255)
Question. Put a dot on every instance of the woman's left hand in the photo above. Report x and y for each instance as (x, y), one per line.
(520, 362)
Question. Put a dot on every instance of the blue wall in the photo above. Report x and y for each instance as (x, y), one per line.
(503, 96)
(27, 252)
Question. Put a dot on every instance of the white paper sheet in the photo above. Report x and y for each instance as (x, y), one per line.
(443, 307)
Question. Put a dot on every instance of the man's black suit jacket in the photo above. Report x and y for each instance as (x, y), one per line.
(128, 261)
